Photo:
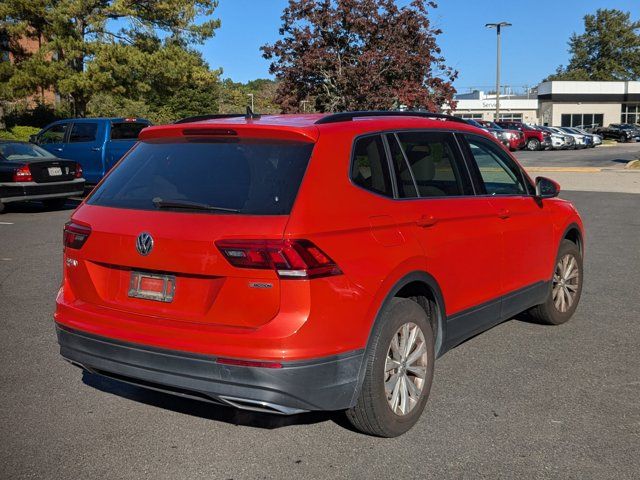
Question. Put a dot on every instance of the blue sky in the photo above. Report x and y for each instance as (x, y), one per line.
(532, 48)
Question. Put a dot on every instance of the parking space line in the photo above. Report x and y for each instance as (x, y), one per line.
(6, 223)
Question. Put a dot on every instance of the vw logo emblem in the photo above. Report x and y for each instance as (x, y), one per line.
(144, 243)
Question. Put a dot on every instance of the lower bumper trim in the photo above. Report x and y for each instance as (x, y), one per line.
(321, 384)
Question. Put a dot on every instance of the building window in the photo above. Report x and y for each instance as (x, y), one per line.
(582, 120)
(631, 113)
(513, 117)
(469, 116)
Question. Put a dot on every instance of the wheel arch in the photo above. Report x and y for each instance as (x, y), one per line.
(414, 284)
(574, 234)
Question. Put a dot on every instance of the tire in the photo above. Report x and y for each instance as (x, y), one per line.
(553, 311)
(54, 203)
(2, 207)
(533, 144)
(373, 412)
(622, 139)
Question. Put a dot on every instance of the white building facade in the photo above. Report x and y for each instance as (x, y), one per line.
(560, 103)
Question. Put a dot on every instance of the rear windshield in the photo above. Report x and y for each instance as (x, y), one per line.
(253, 177)
(126, 130)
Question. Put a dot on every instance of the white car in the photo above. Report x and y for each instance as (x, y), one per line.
(580, 140)
(595, 139)
(559, 140)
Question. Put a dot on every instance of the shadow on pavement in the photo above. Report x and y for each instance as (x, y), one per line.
(39, 207)
(209, 411)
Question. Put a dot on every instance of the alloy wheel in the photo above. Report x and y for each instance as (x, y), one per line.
(405, 369)
(566, 278)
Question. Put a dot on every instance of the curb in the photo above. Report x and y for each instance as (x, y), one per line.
(633, 164)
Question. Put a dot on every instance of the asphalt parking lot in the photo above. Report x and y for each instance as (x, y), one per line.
(613, 156)
(519, 401)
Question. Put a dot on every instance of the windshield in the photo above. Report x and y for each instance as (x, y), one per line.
(15, 151)
(255, 177)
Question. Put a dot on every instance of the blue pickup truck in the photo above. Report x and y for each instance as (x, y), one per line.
(95, 143)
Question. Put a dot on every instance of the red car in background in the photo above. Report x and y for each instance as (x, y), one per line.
(534, 139)
(511, 138)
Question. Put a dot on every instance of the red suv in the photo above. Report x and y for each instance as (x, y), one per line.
(310, 262)
(535, 139)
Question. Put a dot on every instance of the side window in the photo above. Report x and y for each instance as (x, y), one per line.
(53, 134)
(500, 174)
(83, 132)
(432, 160)
(369, 167)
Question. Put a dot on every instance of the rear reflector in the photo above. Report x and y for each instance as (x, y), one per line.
(78, 171)
(75, 234)
(289, 258)
(23, 174)
(248, 363)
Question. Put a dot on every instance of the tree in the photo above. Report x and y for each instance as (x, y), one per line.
(609, 49)
(234, 96)
(359, 54)
(95, 47)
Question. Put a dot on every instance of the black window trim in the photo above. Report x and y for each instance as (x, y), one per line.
(463, 172)
(477, 176)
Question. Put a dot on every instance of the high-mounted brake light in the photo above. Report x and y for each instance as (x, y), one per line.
(75, 235)
(78, 171)
(23, 174)
(289, 258)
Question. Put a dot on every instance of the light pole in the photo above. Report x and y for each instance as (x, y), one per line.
(498, 27)
(251, 95)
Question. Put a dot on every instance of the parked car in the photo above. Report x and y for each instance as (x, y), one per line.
(512, 139)
(95, 143)
(590, 139)
(535, 139)
(576, 141)
(28, 172)
(559, 140)
(622, 132)
(310, 262)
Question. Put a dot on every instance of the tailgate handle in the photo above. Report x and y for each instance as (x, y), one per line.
(426, 221)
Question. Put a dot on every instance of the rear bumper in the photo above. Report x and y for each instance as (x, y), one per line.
(20, 191)
(320, 384)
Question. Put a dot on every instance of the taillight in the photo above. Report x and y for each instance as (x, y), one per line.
(289, 258)
(78, 171)
(75, 235)
(23, 174)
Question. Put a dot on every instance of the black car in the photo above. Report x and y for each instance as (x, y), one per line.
(28, 172)
(623, 132)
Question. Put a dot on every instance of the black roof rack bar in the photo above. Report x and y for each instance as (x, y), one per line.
(349, 116)
(213, 116)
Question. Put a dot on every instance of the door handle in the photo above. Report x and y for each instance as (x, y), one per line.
(504, 213)
(426, 221)
(58, 149)
(95, 149)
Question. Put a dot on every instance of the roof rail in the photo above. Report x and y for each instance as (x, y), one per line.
(213, 116)
(349, 116)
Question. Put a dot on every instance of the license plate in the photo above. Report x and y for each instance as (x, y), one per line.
(151, 286)
(54, 171)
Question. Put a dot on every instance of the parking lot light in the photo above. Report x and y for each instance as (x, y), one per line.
(498, 27)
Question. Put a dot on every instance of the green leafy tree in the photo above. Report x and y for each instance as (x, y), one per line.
(359, 54)
(135, 49)
(234, 96)
(609, 49)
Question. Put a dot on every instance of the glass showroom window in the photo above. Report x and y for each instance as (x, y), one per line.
(513, 117)
(582, 120)
(631, 113)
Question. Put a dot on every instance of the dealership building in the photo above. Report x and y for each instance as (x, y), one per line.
(564, 103)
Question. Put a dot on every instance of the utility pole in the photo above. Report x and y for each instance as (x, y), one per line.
(498, 27)
(304, 105)
(251, 95)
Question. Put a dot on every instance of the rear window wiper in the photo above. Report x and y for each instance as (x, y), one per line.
(160, 203)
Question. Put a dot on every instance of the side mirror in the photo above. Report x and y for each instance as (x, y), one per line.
(33, 138)
(546, 188)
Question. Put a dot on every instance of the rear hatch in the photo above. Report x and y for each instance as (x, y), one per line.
(186, 192)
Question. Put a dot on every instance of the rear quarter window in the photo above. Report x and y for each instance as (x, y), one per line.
(126, 130)
(254, 177)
